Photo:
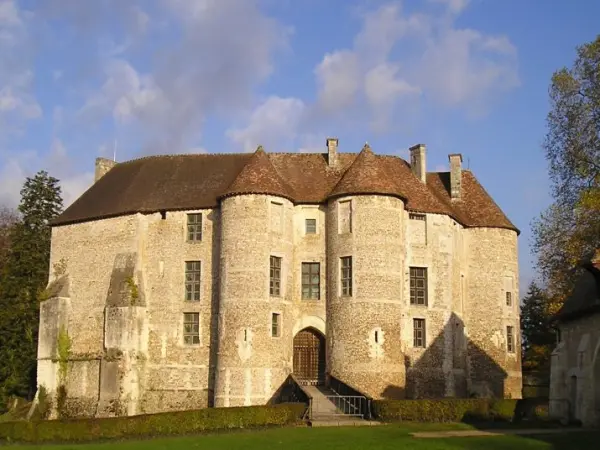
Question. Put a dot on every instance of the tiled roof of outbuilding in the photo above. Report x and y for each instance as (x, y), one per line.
(194, 181)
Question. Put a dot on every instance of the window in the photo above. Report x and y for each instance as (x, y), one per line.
(418, 286)
(345, 217)
(276, 217)
(191, 328)
(419, 333)
(509, 299)
(275, 277)
(194, 227)
(508, 290)
(510, 339)
(275, 324)
(415, 216)
(311, 281)
(310, 226)
(192, 281)
(346, 276)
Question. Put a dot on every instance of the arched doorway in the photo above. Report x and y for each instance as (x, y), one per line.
(309, 356)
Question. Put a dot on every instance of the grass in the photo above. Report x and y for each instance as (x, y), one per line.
(371, 438)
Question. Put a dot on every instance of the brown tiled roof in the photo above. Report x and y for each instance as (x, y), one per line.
(475, 208)
(367, 175)
(585, 298)
(259, 177)
(184, 182)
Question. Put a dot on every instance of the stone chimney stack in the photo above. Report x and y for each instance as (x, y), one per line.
(103, 165)
(455, 176)
(418, 162)
(332, 145)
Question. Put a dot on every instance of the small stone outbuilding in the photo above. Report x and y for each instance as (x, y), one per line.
(575, 372)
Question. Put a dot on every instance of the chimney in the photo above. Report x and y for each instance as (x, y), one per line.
(332, 145)
(455, 175)
(418, 162)
(103, 165)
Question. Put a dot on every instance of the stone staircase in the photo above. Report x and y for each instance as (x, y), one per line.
(325, 413)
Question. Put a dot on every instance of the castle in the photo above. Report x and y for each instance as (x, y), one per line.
(188, 281)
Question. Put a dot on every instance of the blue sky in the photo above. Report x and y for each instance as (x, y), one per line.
(165, 76)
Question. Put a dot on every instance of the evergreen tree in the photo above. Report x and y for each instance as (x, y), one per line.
(539, 336)
(24, 276)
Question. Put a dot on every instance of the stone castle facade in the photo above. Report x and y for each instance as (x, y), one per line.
(188, 281)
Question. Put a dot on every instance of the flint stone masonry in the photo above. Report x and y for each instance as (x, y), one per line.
(120, 294)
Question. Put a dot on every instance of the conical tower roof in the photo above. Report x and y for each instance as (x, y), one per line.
(259, 177)
(367, 175)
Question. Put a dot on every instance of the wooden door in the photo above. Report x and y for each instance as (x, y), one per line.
(309, 357)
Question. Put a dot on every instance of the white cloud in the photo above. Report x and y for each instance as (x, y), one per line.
(396, 57)
(453, 6)
(57, 162)
(338, 79)
(224, 50)
(273, 122)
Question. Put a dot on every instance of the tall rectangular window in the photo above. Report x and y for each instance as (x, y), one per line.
(345, 217)
(191, 328)
(310, 226)
(276, 217)
(509, 299)
(418, 286)
(194, 227)
(510, 339)
(346, 276)
(275, 277)
(192, 281)
(311, 281)
(275, 325)
(419, 333)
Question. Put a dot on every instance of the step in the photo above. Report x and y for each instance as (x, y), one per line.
(342, 422)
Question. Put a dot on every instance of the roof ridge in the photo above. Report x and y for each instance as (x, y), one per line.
(259, 176)
(366, 175)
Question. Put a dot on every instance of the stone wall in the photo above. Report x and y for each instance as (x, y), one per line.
(118, 288)
(575, 372)
(491, 259)
(363, 341)
(252, 364)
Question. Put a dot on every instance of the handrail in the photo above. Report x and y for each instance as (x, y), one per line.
(343, 389)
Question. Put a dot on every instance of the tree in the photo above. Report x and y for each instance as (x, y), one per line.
(538, 333)
(8, 218)
(569, 230)
(24, 276)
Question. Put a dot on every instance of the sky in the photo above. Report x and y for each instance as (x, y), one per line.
(81, 79)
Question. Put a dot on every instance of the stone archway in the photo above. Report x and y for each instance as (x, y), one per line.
(309, 356)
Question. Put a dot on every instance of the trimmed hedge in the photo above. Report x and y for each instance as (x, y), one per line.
(444, 410)
(163, 424)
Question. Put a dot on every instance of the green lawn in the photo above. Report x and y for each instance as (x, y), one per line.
(372, 438)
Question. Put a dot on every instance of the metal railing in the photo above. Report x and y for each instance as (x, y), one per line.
(339, 405)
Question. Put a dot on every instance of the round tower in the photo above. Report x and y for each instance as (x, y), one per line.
(254, 348)
(365, 250)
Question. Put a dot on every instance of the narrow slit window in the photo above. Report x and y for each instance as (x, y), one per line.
(510, 339)
(509, 299)
(346, 276)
